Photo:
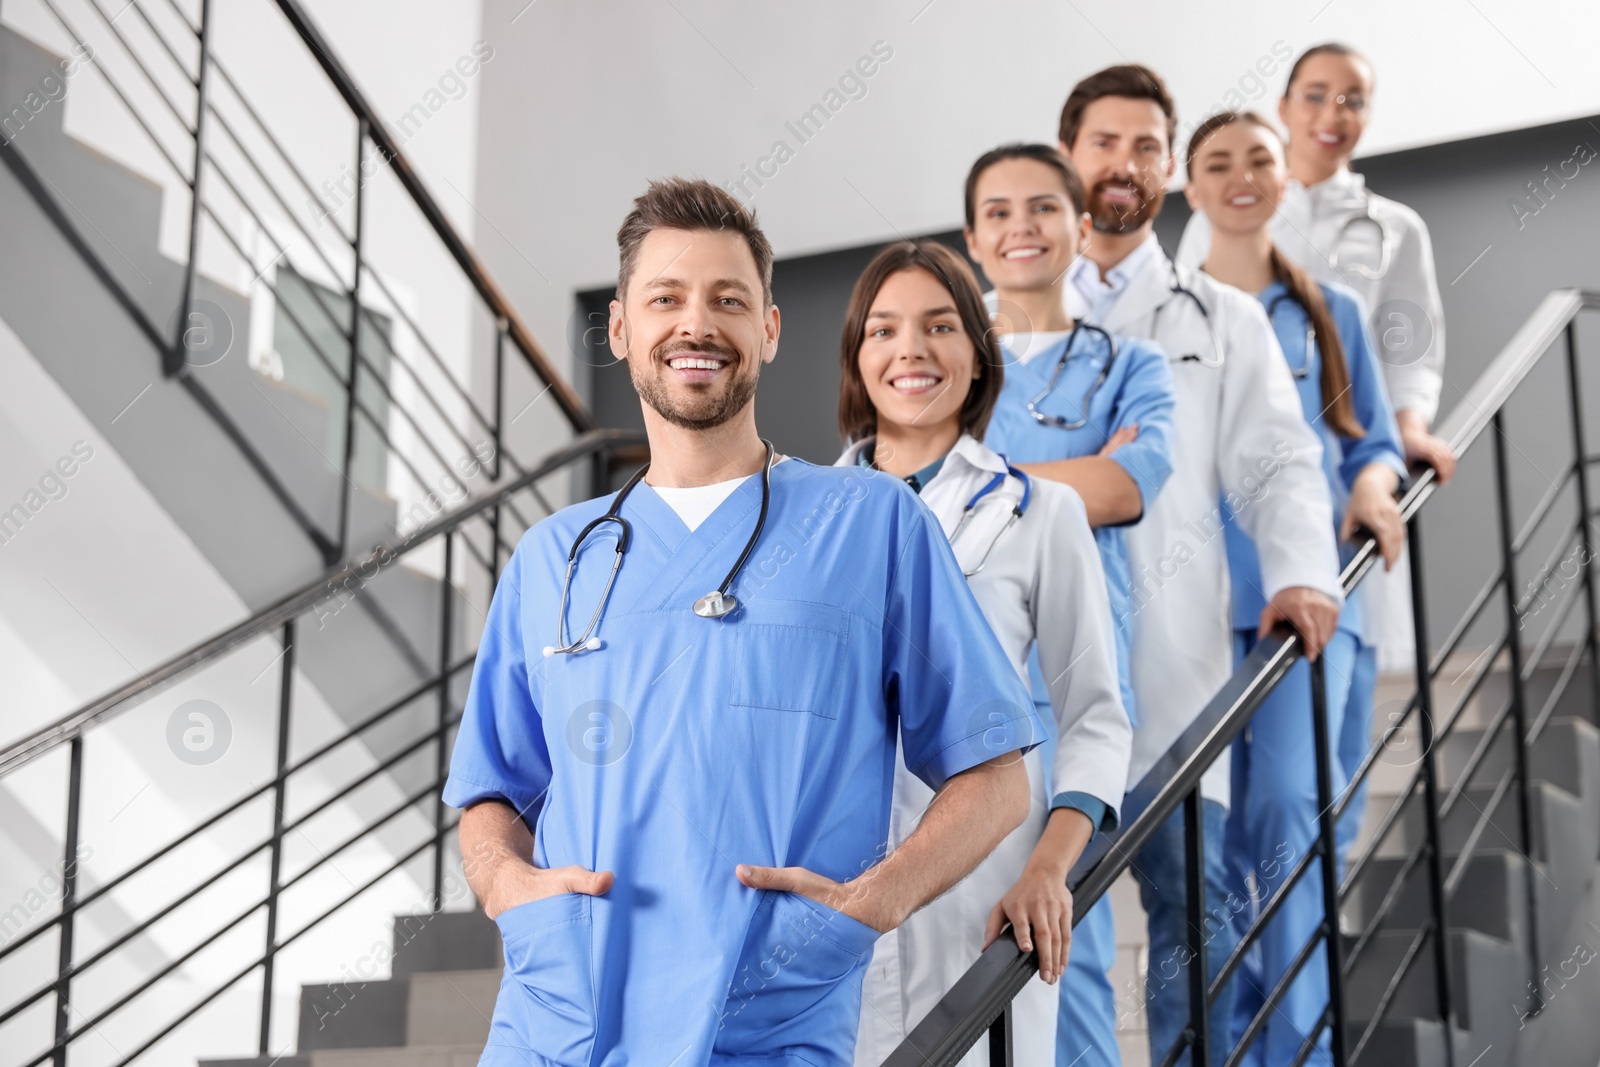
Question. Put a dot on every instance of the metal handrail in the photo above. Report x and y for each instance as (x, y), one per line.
(980, 999)
(577, 413)
(109, 705)
(282, 617)
(333, 544)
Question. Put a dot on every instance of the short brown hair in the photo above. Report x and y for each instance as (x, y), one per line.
(1042, 153)
(690, 204)
(857, 417)
(1127, 79)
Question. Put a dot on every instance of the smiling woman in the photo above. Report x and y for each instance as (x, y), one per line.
(921, 371)
(953, 348)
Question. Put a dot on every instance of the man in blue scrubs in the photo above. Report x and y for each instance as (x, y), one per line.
(680, 825)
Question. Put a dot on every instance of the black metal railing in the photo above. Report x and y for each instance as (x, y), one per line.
(295, 794)
(979, 1003)
(404, 403)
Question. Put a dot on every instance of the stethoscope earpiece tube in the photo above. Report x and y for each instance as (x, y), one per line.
(714, 605)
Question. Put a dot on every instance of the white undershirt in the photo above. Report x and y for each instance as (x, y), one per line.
(694, 504)
(1025, 346)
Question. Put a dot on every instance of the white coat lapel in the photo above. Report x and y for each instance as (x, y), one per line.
(1146, 292)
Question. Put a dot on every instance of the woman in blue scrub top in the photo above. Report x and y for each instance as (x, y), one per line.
(1077, 407)
(1237, 176)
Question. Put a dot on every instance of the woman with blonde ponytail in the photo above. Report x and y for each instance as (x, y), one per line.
(1237, 177)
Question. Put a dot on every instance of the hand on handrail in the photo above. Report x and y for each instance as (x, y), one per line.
(1312, 615)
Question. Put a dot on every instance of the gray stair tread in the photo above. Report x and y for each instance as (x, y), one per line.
(449, 941)
(1557, 816)
(436, 1056)
(451, 1007)
(1566, 754)
(353, 1015)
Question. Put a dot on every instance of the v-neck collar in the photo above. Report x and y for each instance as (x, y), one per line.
(681, 553)
(668, 526)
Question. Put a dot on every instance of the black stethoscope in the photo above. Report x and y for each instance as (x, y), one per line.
(714, 605)
(1179, 289)
(1311, 334)
(1018, 509)
(1055, 375)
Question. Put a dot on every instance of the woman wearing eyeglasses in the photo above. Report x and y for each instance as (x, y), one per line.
(1237, 178)
(1340, 231)
(920, 374)
(1331, 224)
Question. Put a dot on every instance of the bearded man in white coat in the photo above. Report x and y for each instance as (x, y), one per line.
(1240, 437)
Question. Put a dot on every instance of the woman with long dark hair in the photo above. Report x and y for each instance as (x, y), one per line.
(921, 371)
(1237, 177)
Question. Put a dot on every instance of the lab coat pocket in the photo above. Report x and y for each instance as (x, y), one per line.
(547, 997)
(791, 653)
(799, 978)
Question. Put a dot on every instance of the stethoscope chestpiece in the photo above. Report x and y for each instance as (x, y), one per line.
(716, 605)
(591, 645)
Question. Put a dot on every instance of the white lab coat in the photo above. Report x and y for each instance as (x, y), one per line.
(1237, 428)
(1311, 224)
(1042, 577)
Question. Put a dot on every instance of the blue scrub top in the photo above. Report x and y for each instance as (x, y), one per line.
(1138, 391)
(1342, 457)
(685, 746)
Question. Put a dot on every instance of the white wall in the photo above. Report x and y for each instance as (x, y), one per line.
(591, 100)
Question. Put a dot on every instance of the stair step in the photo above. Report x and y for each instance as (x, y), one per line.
(358, 1015)
(1493, 900)
(1408, 1043)
(1486, 979)
(437, 1056)
(1567, 754)
(451, 1007)
(1556, 815)
(448, 941)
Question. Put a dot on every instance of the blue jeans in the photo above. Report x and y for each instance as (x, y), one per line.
(1158, 866)
(1273, 824)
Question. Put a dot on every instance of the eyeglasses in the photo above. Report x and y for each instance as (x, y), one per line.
(1317, 99)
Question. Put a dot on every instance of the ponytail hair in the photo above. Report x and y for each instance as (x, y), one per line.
(1340, 412)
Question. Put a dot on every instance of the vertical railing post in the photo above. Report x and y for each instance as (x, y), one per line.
(280, 787)
(1430, 789)
(354, 380)
(441, 754)
(499, 408)
(1580, 456)
(1330, 857)
(69, 900)
(1194, 878)
(1000, 1039)
(1519, 713)
(175, 356)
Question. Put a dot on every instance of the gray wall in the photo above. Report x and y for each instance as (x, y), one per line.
(1462, 189)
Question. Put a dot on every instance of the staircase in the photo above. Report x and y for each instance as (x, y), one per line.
(182, 437)
(318, 440)
(323, 402)
(1489, 908)
(433, 1011)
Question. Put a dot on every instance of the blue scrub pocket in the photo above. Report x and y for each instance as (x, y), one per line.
(790, 653)
(798, 983)
(547, 997)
